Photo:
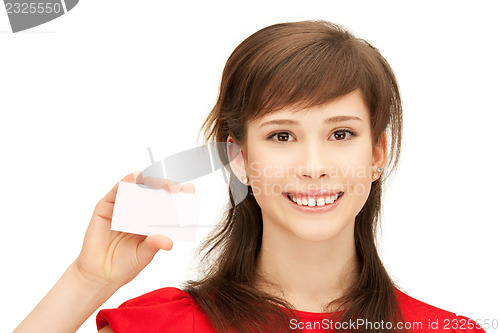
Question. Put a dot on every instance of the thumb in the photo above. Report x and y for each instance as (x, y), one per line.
(149, 246)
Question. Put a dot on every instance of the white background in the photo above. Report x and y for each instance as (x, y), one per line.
(83, 96)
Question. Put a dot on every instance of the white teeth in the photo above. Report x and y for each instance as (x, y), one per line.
(311, 202)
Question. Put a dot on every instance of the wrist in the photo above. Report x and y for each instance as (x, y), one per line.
(90, 284)
(68, 304)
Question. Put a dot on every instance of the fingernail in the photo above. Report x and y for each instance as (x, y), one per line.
(137, 177)
(174, 187)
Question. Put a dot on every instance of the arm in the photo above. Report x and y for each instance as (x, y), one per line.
(108, 260)
(67, 305)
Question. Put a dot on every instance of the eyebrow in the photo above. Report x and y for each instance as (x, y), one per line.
(335, 119)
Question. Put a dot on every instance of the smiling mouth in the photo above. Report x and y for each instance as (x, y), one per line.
(314, 201)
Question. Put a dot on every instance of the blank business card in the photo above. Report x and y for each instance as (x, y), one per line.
(142, 210)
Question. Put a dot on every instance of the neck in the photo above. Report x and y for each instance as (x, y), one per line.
(307, 274)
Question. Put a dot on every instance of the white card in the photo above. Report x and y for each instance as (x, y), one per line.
(142, 210)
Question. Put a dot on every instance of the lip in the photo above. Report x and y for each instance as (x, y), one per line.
(315, 209)
(314, 193)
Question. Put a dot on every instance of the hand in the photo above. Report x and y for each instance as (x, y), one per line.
(115, 258)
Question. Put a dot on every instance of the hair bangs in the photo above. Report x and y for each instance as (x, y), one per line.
(305, 77)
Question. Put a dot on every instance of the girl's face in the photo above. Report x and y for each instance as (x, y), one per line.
(326, 149)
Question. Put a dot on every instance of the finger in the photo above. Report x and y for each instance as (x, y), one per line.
(159, 241)
(157, 183)
(172, 186)
(154, 182)
(152, 244)
(130, 178)
(187, 188)
(139, 179)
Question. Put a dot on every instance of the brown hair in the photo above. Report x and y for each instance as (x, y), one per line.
(300, 64)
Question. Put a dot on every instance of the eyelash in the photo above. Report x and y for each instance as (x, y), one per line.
(270, 136)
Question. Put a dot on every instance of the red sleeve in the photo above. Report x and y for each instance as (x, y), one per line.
(425, 318)
(163, 310)
(466, 325)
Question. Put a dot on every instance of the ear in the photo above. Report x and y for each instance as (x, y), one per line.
(380, 153)
(236, 156)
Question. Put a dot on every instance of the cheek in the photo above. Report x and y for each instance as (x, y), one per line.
(357, 176)
(266, 174)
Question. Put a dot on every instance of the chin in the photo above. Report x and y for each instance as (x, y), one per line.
(317, 231)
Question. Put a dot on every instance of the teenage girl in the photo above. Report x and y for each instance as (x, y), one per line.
(312, 119)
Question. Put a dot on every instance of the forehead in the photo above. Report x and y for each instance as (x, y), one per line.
(345, 108)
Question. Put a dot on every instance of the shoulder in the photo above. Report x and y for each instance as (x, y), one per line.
(426, 317)
(163, 310)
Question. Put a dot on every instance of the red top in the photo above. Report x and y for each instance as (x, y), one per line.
(169, 310)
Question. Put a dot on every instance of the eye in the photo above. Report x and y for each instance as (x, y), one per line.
(281, 137)
(341, 134)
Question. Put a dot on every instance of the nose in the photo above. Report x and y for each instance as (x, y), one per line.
(314, 162)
